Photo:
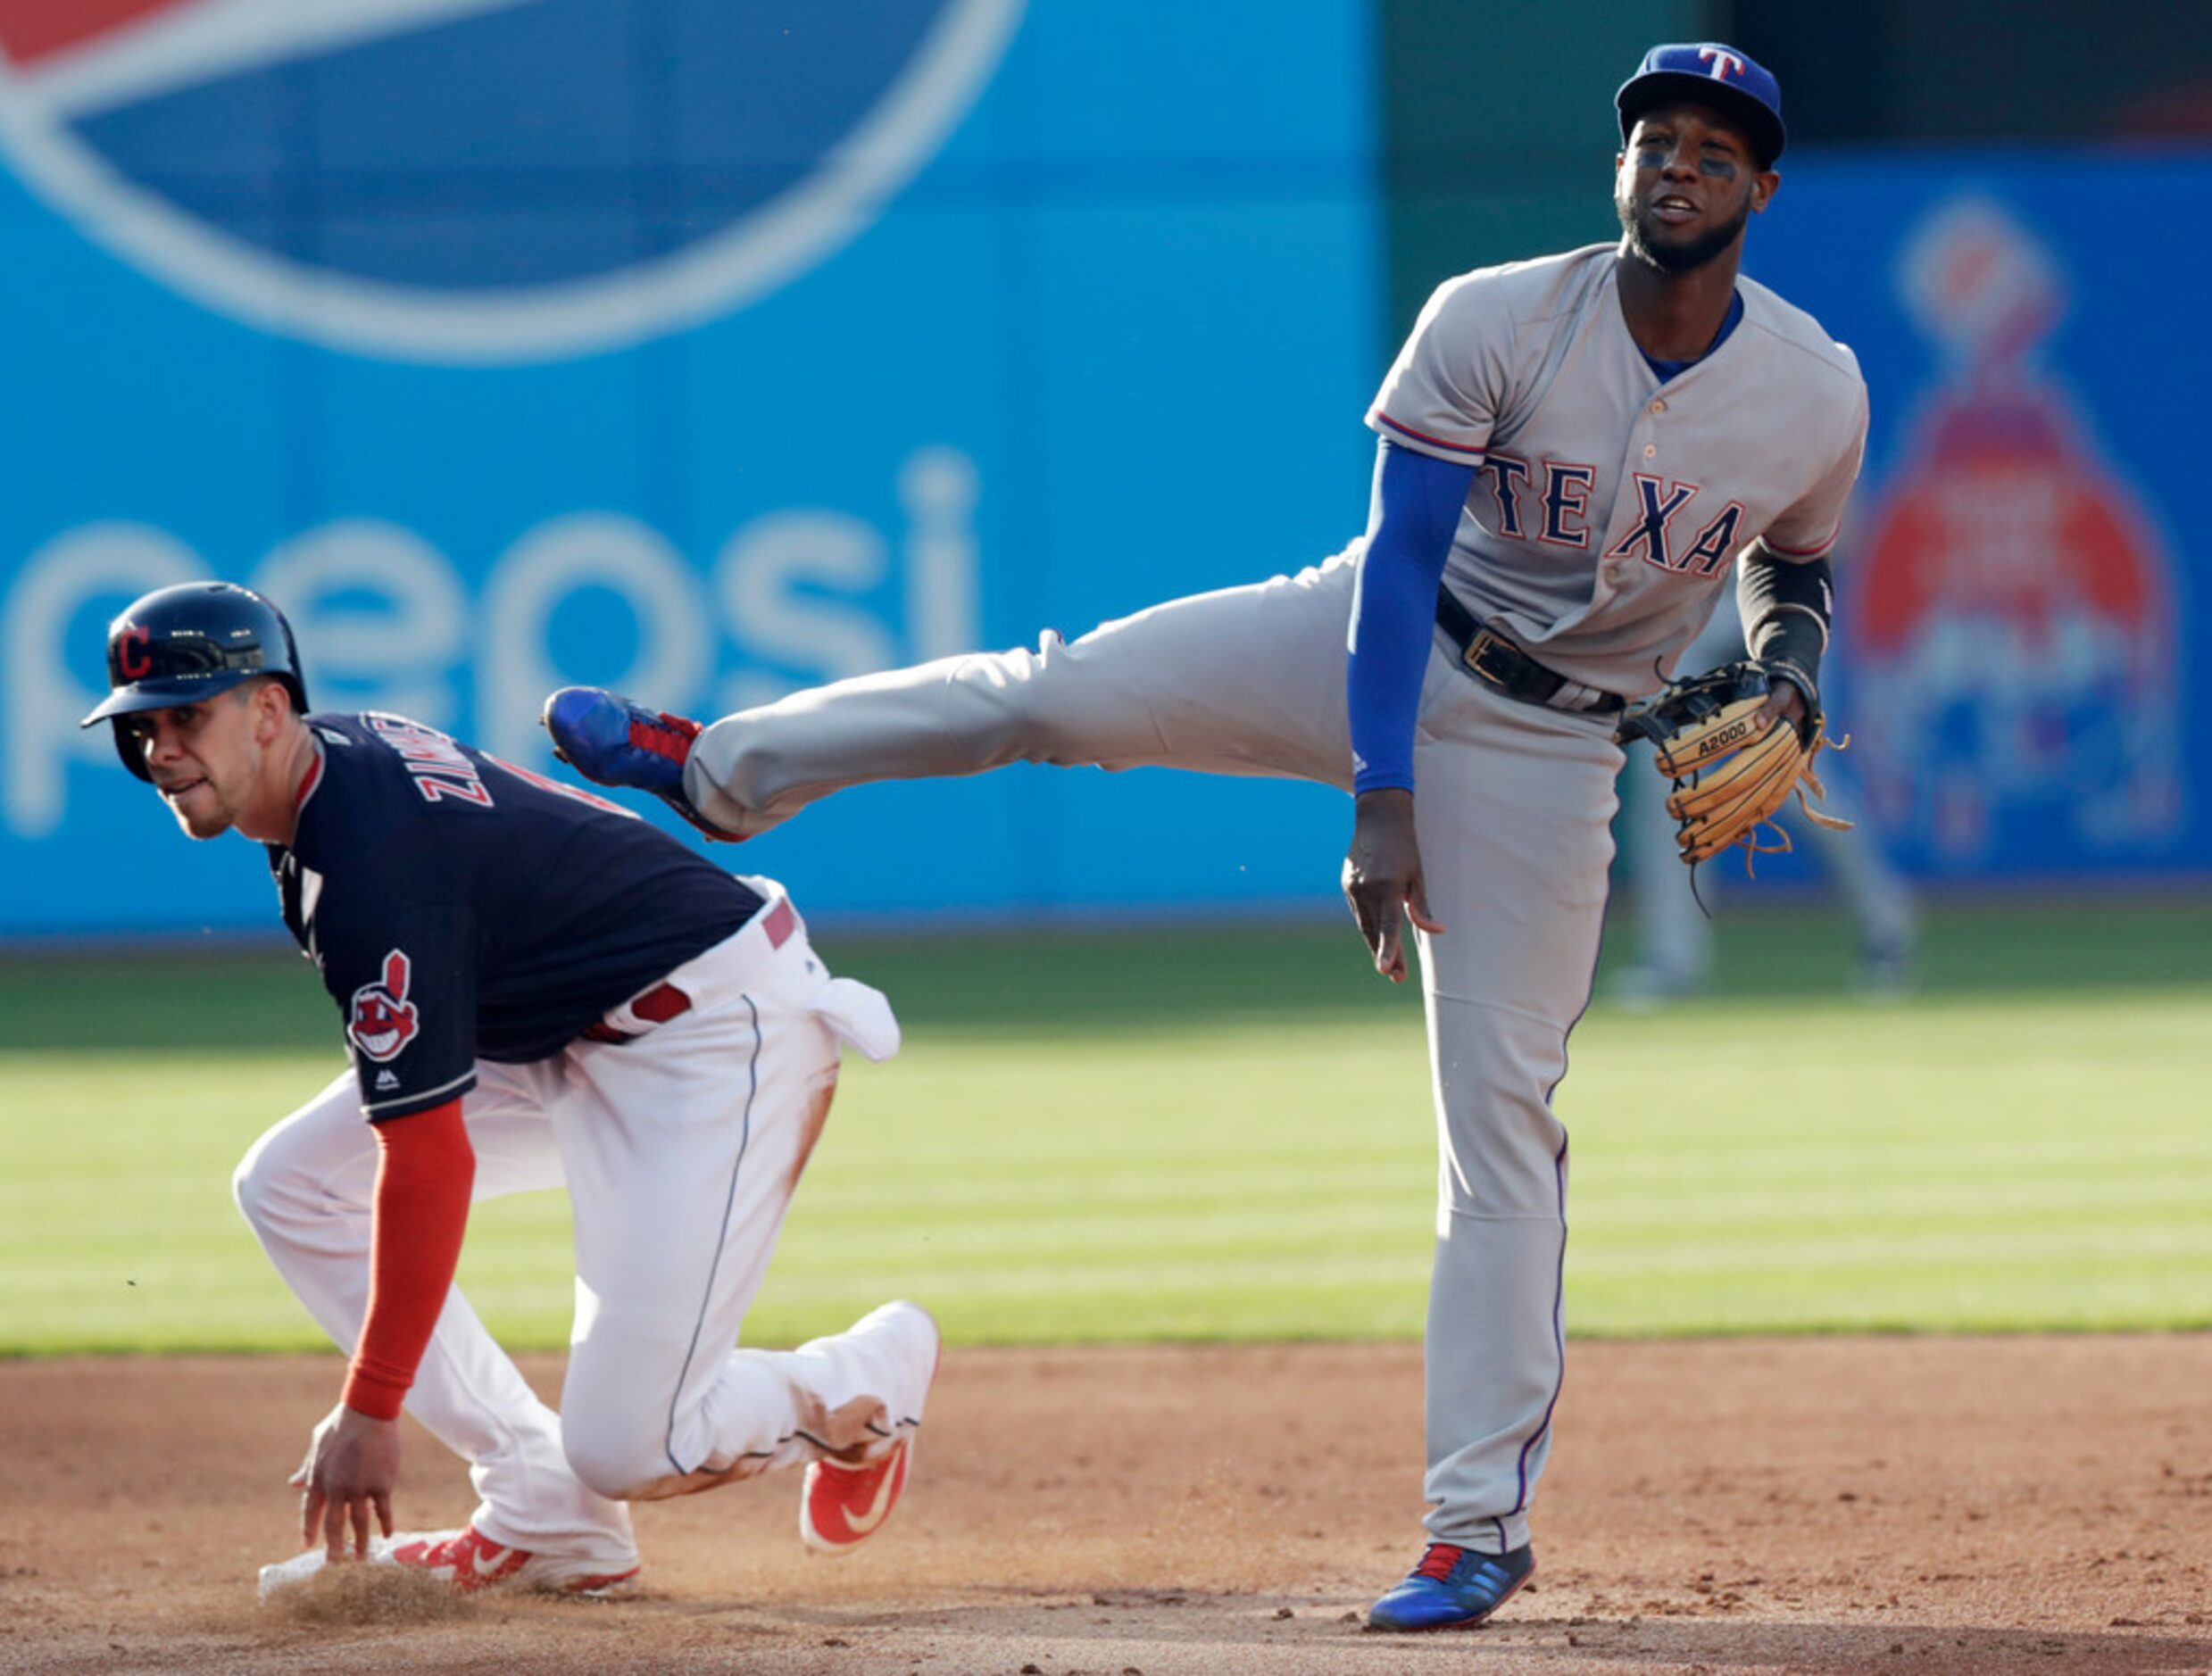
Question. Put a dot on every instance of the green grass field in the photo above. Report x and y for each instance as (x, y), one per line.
(1224, 1133)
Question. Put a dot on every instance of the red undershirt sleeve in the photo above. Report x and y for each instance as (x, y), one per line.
(425, 1169)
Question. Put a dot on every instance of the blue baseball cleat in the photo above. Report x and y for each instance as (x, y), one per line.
(1452, 1589)
(611, 741)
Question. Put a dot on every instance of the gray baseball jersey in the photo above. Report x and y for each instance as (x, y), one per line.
(1603, 550)
(1607, 505)
(1606, 515)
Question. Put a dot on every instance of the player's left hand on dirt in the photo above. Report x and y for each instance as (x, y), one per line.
(1734, 755)
(1382, 876)
(352, 1465)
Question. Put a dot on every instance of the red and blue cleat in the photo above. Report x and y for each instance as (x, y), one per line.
(1452, 1589)
(611, 741)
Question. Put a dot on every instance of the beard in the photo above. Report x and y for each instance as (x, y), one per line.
(1646, 239)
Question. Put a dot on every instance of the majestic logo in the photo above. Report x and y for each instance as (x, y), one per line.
(483, 180)
(1724, 64)
(2015, 622)
(382, 1021)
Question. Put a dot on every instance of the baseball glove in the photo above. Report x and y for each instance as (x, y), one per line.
(1730, 778)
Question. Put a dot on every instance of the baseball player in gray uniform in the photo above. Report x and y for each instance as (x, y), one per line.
(1575, 451)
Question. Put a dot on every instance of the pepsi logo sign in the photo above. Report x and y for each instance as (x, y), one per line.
(482, 180)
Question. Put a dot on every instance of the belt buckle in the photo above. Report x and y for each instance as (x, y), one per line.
(1477, 654)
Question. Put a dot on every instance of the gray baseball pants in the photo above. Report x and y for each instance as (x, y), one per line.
(1514, 803)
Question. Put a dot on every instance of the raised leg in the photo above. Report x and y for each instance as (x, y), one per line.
(1244, 681)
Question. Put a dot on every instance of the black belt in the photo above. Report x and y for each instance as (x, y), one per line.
(1496, 659)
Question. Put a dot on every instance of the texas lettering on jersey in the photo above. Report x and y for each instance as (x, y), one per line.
(382, 1021)
(1612, 495)
(1716, 543)
(1557, 493)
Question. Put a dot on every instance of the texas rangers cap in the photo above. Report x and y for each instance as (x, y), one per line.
(1715, 74)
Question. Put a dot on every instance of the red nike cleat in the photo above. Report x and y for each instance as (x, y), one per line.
(471, 1561)
(845, 1502)
(844, 1506)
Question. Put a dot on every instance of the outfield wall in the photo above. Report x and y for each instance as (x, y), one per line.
(505, 354)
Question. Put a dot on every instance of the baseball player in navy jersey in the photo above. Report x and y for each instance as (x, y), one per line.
(1575, 451)
(536, 990)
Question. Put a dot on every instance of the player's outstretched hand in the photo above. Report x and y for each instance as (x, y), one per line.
(1382, 876)
(351, 1464)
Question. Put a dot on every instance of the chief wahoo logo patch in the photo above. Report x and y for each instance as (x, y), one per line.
(382, 1021)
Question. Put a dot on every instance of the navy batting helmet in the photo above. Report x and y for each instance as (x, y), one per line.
(179, 645)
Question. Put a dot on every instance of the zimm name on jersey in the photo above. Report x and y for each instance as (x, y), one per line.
(438, 767)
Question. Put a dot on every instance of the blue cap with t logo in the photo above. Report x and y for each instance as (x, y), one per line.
(1719, 76)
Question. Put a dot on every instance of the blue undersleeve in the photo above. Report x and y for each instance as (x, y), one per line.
(1414, 513)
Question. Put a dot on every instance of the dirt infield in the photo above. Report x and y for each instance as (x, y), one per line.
(1892, 1504)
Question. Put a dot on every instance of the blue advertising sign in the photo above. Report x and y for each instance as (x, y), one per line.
(707, 351)
(2022, 637)
(483, 179)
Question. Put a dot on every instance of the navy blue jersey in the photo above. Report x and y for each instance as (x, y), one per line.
(460, 908)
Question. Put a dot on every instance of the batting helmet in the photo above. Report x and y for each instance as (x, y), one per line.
(179, 645)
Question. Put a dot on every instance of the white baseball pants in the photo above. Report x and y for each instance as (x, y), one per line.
(680, 1151)
(1514, 803)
